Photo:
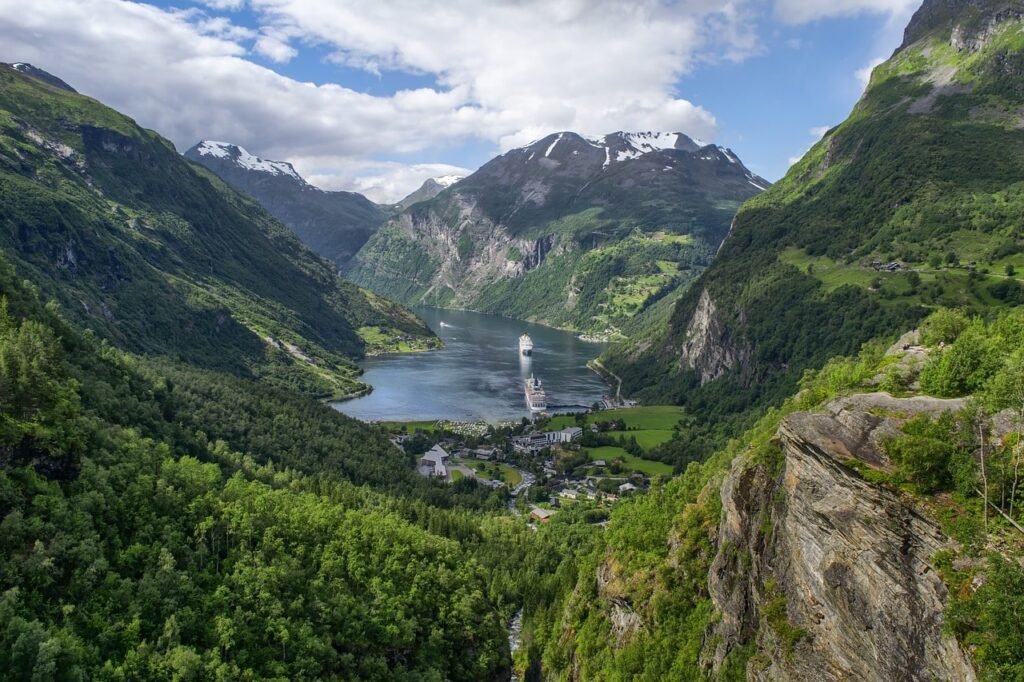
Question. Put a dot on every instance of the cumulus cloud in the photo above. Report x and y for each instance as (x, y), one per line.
(381, 181)
(802, 11)
(506, 72)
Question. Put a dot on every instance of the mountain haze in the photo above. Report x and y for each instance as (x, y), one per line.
(430, 188)
(581, 233)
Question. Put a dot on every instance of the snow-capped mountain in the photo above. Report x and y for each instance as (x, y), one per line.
(622, 146)
(39, 74)
(430, 188)
(545, 231)
(334, 224)
(243, 159)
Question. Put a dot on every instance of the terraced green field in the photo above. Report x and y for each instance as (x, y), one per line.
(644, 466)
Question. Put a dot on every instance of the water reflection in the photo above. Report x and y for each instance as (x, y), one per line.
(479, 374)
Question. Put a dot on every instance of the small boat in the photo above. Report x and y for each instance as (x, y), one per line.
(525, 344)
(536, 399)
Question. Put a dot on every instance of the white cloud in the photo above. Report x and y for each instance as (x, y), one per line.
(230, 5)
(384, 182)
(507, 72)
(274, 49)
(817, 133)
(803, 11)
(863, 74)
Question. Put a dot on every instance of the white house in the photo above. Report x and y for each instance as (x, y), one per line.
(566, 435)
(627, 488)
(434, 462)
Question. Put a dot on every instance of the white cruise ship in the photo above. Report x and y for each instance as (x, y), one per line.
(525, 344)
(536, 399)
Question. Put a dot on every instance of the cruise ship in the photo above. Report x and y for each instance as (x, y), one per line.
(525, 344)
(536, 399)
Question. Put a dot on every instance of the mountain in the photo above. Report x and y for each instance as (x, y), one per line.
(39, 74)
(334, 224)
(581, 233)
(430, 188)
(159, 256)
(864, 530)
(909, 204)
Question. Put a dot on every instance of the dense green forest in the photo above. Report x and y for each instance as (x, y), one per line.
(165, 522)
(658, 550)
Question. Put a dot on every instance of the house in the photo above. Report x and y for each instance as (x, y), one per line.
(627, 488)
(599, 463)
(568, 494)
(534, 441)
(542, 515)
(485, 454)
(434, 462)
(566, 435)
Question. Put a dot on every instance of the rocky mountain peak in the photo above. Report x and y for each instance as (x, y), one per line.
(39, 74)
(232, 153)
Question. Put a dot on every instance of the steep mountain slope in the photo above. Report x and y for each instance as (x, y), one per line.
(865, 530)
(912, 202)
(334, 224)
(574, 232)
(160, 256)
(430, 188)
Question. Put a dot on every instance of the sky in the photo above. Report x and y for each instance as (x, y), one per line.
(376, 96)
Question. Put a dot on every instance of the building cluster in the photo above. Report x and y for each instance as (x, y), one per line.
(538, 440)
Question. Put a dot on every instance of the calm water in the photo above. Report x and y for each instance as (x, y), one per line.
(479, 373)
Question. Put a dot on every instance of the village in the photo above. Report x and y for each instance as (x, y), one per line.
(590, 460)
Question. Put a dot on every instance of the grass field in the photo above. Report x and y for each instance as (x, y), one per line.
(508, 474)
(644, 466)
(652, 418)
(380, 340)
(410, 427)
(646, 439)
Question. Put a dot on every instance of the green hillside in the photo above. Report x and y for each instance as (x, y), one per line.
(161, 257)
(911, 203)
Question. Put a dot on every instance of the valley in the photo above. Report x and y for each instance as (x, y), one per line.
(609, 407)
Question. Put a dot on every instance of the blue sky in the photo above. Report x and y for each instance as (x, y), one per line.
(378, 96)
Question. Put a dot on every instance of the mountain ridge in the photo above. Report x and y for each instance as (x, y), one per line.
(334, 224)
(539, 231)
(159, 256)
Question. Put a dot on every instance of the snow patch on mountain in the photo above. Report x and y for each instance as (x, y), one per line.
(448, 180)
(226, 150)
(552, 147)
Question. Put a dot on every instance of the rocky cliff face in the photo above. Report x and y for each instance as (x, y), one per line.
(709, 347)
(829, 575)
(572, 231)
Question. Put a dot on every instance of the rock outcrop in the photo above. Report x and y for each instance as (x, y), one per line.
(830, 575)
(709, 347)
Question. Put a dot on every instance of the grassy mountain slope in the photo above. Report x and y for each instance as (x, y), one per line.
(925, 174)
(161, 257)
(699, 579)
(576, 233)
